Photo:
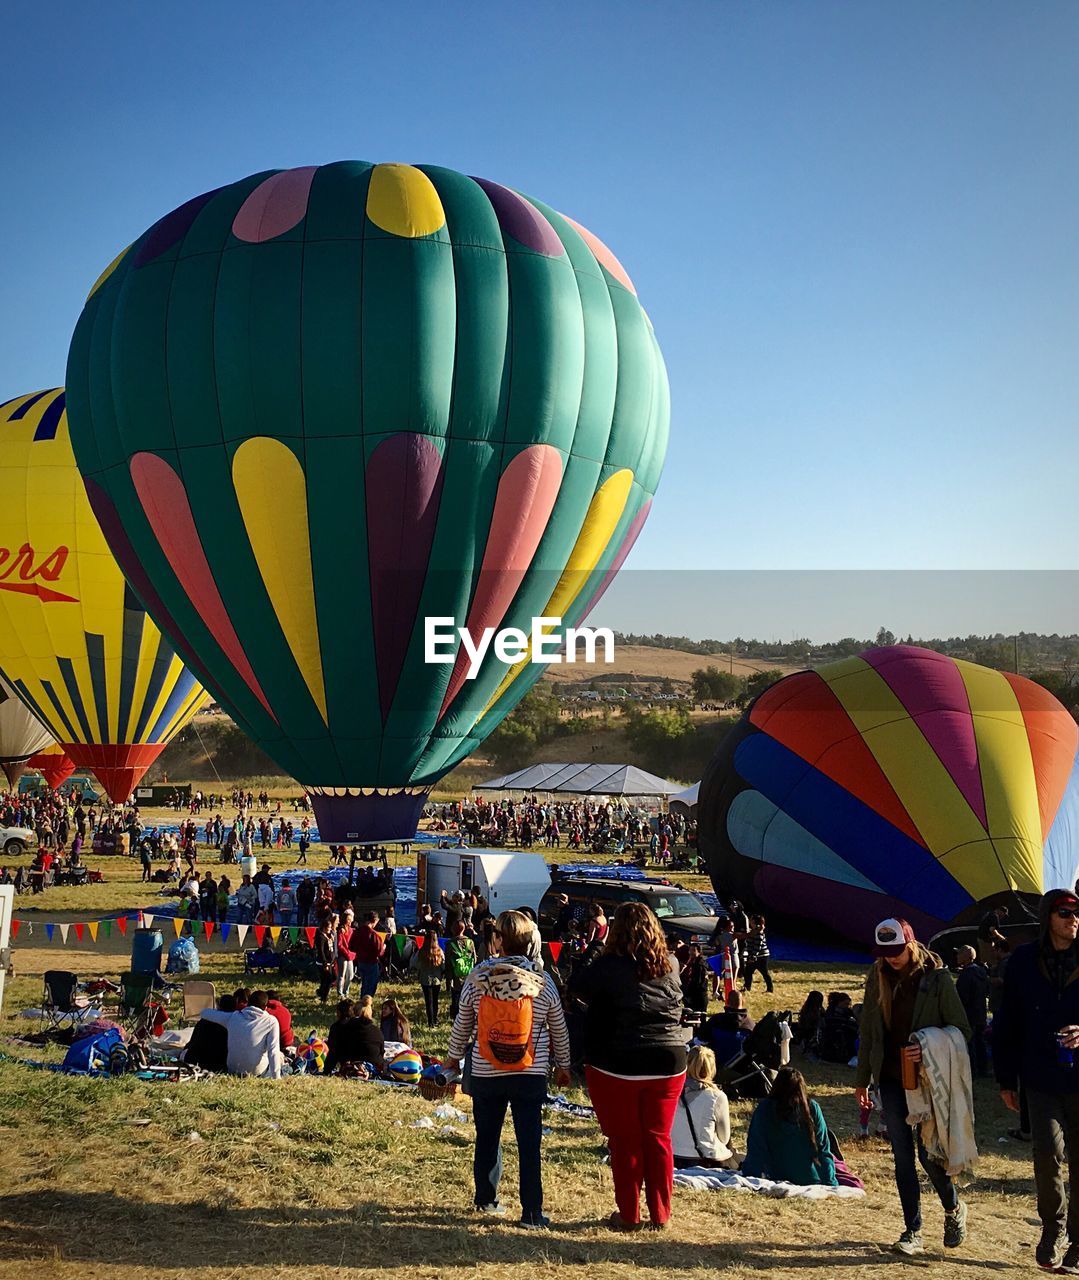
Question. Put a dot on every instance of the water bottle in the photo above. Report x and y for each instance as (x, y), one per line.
(1065, 1056)
(444, 1076)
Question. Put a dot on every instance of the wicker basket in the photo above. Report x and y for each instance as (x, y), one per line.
(436, 1092)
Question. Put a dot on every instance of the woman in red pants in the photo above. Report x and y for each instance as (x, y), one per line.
(635, 1056)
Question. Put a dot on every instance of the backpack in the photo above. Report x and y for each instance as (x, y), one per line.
(504, 1032)
(461, 959)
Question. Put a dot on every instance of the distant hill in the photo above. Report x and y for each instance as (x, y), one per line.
(639, 662)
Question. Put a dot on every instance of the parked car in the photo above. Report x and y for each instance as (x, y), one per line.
(683, 915)
(16, 840)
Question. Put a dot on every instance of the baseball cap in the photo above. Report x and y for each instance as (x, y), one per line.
(891, 936)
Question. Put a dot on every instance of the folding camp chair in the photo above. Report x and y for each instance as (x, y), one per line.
(141, 995)
(198, 995)
(61, 1007)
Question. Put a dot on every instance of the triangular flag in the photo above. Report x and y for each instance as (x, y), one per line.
(293, 933)
(178, 925)
(107, 926)
(208, 929)
(63, 932)
(15, 926)
(147, 921)
(92, 928)
(260, 933)
(555, 948)
(310, 931)
(275, 933)
(79, 930)
(226, 929)
(381, 937)
(443, 943)
(399, 941)
(121, 924)
(241, 933)
(715, 963)
(48, 931)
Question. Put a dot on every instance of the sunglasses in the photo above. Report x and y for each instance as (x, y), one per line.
(1065, 913)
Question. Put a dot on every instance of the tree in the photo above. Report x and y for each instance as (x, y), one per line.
(884, 638)
(657, 735)
(712, 685)
(757, 683)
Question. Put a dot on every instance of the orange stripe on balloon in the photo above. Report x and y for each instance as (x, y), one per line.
(1054, 740)
(803, 714)
(523, 505)
(164, 500)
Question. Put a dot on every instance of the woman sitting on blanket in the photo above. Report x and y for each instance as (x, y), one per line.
(701, 1133)
(788, 1139)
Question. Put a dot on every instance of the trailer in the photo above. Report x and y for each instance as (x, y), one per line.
(506, 880)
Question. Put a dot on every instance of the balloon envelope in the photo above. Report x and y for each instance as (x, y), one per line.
(901, 782)
(75, 643)
(54, 765)
(21, 734)
(318, 406)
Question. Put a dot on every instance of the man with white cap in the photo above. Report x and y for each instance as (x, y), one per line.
(1036, 1038)
(907, 990)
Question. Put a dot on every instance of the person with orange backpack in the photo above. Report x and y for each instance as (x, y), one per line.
(511, 1013)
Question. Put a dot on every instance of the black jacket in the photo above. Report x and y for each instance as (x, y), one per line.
(355, 1040)
(972, 983)
(632, 1027)
(1032, 1010)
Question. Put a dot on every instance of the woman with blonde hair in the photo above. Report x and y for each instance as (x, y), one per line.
(907, 990)
(511, 1012)
(635, 1059)
(701, 1133)
(431, 967)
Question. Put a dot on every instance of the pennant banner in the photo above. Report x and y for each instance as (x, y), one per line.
(293, 933)
(241, 933)
(107, 926)
(555, 948)
(399, 941)
(121, 924)
(310, 931)
(226, 929)
(260, 933)
(275, 933)
(80, 929)
(91, 928)
(48, 931)
(63, 932)
(16, 925)
(178, 925)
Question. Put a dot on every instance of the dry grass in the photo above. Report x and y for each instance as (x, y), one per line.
(328, 1177)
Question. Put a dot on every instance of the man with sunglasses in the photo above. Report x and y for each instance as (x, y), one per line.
(1036, 1037)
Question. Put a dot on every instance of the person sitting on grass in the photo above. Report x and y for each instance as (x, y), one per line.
(354, 1038)
(809, 1020)
(277, 1008)
(254, 1036)
(701, 1132)
(209, 1044)
(394, 1025)
(788, 1139)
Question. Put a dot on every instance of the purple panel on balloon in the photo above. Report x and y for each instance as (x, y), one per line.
(404, 487)
(171, 229)
(361, 819)
(521, 220)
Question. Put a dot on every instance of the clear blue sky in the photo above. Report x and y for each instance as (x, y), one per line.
(855, 226)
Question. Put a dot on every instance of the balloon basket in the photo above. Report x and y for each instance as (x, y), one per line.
(435, 1092)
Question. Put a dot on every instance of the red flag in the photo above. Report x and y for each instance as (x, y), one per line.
(555, 948)
(208, 929)
(310, 935)
(260, 933)
(79, 928)
(15, 927)
(121, 924)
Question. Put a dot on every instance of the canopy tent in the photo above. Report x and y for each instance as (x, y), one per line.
(686, 799)
(583, 779)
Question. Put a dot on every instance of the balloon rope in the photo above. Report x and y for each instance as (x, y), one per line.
(206, 753)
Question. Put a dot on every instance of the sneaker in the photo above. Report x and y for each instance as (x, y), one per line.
(536, 1224)
(1050, 1249)
(492, 1210)
(1070, 1264)
(909, 1243)
(955, 1226)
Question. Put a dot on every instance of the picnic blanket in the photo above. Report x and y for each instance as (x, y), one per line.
(699, 1179)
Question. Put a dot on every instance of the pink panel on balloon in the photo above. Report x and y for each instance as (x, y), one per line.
(603, 255)
(275, 206)
(164, 500)
(523, 505)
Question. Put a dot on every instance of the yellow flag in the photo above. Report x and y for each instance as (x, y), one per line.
(92, 925)
(178, 925)
(275, 933)
(381, 937)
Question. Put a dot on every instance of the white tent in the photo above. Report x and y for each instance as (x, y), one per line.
(583, 779)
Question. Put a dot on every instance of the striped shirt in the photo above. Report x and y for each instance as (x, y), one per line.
(548, 1031)
(756, 945)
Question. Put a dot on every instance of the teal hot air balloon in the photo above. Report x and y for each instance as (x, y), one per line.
(319, 406)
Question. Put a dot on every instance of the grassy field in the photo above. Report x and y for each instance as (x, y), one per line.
(104, 1176)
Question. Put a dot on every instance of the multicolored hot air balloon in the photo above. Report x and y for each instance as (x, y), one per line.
(21, 734)
(75, 643)
(901, 782)
(319, 406)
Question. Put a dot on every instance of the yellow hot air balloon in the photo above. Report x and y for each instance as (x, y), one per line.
(75, 643)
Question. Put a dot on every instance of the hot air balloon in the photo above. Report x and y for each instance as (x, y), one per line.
(75, 643)
(901, 782)
(319, 406)
(54, 765)
(21, 734)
